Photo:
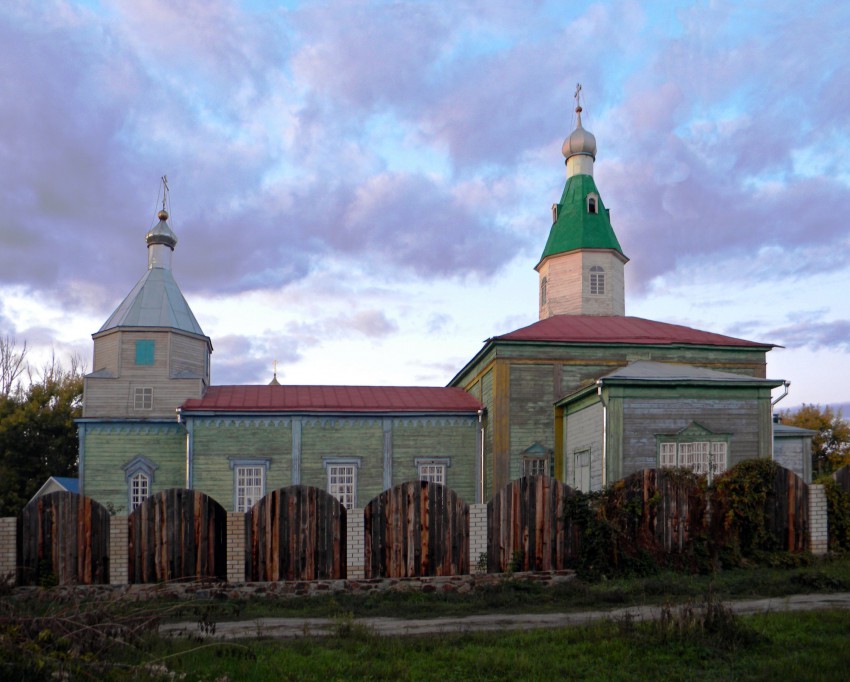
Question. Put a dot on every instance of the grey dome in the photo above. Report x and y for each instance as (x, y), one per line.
(580, 141)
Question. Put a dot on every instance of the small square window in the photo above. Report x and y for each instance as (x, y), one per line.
(434, 473)
(143, 399)
(144, 352)
(535, 466)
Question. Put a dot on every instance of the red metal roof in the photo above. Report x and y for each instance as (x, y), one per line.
(333, 399)
(621, 330)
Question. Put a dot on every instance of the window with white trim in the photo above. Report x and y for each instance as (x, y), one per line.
(342, 483)
(250, 485)
(139, 475)
(535, 466)
(701, 457)
(140, 489)
(143, 398)
(433, 473)
(597, 280)
(592, 203)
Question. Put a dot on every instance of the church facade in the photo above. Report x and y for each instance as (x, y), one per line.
(586, 394)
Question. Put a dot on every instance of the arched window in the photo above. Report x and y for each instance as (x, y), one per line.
(592, 203)
(597, 280)
(543, 286)
(140, 489)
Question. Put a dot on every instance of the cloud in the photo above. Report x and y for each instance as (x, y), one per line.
(240, 359)
(815, 335)
(373, 324)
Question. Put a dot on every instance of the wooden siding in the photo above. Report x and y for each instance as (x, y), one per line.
(64, 540)
(296, 533)
(532, 399)
(583, 431)
(177, 534)
(719, 412)
(526, 529)
(568, 284)
(188, 354)
(342, 437)
(219, 441)
(416, 529)
(108, 447)
(455, 438)
(106, 353)
(500, 423)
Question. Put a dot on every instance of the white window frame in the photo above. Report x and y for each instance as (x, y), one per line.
(342, 479)
(143, 398)
(597, 280)
(535, 466)
(138, 469)
(140, 489)
(433, 469)
(593, 203)
(249, 482)
(703, 457)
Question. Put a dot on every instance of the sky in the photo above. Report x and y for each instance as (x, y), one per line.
(361, 189)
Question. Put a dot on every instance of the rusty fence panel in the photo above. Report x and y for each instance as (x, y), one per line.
(416, 529)
(63, 540)
(296, 533)
(526, 528)
(177, 534)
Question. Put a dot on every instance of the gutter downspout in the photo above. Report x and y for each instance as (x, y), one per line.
(480, 491)
(604, 432)
(785, 385)
(189, 425)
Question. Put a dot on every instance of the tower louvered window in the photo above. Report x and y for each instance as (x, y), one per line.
(597, 280)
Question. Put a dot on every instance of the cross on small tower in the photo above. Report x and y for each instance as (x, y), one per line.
(164, 191)
(577, 96)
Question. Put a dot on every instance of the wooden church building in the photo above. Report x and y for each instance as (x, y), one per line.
(586, 394)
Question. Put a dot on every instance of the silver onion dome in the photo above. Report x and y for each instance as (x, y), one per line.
(161, 233)
(580, 141)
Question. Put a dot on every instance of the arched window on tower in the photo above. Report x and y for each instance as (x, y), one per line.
(592, 203)
(597, 280)
(544, 283)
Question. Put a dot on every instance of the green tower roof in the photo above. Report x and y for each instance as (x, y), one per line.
(578, 228)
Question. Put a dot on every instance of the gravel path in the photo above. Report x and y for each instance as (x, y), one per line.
(278, 628)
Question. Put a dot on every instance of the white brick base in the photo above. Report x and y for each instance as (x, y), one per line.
(818, 522)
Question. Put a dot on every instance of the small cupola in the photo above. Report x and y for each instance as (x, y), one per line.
(161, 240)
(579, 149)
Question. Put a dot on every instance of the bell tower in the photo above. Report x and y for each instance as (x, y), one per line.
(151, 354)
(581, 269)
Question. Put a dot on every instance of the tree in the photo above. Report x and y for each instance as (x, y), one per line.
(38, 437)
(12, 365)
(831, 443)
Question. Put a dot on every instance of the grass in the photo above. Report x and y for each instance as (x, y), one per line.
(518, 596)
(108, 640)
(808, 646)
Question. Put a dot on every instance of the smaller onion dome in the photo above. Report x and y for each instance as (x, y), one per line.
(161, 233)
(580, 141)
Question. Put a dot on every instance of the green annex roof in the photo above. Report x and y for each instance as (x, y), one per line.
(576, 228)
